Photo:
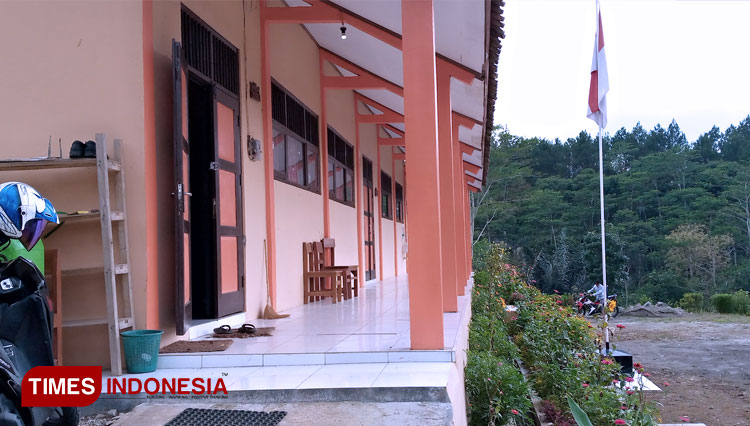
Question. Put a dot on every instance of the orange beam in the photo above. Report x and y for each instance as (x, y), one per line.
(360, 206)
(324, 152)
(460, 218)
(423, 201)
(464, 121)
(466, 148)
(451, 69)
(384, 118)
(395, 222)
(399, 156)
(391, 141)
(394, 130)
(445, 159)
(471, 168)
(378, 106)
(379, 202)
(265, 78)
(361, 73)
(150, 168)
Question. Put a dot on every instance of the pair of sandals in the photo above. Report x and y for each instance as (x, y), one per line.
(244, 328)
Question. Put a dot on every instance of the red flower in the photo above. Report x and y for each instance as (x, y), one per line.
(638, 365)
(646, 374)
(556, 292)
(607, 362)
(685, 418)
(585, 385)
(666, 384)
(514, 411)
(499, 364)
(630, 392)
(620, 326)
(628, 379)
(623, 408)
(620, 422)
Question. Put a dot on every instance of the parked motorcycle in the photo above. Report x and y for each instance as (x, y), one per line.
(25, 313)
(586, 306)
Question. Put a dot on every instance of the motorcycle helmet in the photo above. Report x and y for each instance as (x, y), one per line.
(23, 214)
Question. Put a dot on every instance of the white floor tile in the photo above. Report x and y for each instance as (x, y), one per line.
(287, 377)
(414, 374)
(343, 376)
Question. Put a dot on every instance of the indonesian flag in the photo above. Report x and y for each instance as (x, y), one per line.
(597, 108)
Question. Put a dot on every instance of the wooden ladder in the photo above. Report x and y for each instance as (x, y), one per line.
(112, 213)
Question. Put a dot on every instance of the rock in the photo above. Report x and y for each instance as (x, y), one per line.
(661, 309)
(112, 412)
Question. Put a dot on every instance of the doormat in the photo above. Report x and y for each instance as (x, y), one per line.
(184, 346)
(203, 417)
(259, 331)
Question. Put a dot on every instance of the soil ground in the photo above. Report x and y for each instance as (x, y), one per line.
(705, 358)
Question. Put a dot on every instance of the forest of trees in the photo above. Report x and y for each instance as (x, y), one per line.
(677, 211)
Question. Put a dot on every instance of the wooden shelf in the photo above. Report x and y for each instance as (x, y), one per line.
(116, 216)
(123, 322)
(120, 269)
(58, 163)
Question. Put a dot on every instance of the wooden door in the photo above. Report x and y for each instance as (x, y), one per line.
(228, 204)
(369, 212)
(181, 194)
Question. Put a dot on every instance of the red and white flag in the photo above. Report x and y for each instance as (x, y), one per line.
(597, 108)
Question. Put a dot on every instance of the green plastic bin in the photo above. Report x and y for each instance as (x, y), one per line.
(141, 350)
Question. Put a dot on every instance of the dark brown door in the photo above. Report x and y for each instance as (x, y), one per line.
(181, 194)
(369, 212)
(228, 204)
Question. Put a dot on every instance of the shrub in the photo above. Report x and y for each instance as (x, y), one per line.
(558, 348)
(723, 303)
(741, 302)
(495, 388)
(692, 302)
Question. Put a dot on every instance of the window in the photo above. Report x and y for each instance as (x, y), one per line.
(399, 203)
(295, 141)
(340, 169)
(385, 195)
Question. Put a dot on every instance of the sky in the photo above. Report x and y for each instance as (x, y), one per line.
(687, 60)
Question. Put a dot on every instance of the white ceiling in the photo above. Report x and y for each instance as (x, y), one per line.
(459, 36)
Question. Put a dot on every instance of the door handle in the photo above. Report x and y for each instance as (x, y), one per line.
(189, 194)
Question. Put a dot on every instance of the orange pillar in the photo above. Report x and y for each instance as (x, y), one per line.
(360, 207)
(265, 78)
(447, 223)
(469, 250)
(460, 215)
(150, 195)
(423, 201)
(395, 222)
(324, 151)
(379, 202)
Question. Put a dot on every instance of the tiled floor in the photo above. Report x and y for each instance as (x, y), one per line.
(377, 375)
(370, 328)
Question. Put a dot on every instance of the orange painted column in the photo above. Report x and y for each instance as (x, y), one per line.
(469, 250)
(447, 223)
(324, 151)
(149, 139)
(265, 78)
(359, 207)
(460, 215)
(395, 222)
(423, 201)
(379, 202)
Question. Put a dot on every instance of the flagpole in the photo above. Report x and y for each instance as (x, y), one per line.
(604, 249)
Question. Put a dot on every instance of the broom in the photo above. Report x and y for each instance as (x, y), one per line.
(269, 312)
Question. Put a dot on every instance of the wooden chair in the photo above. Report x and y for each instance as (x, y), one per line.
(329, 257)
(315, 280)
